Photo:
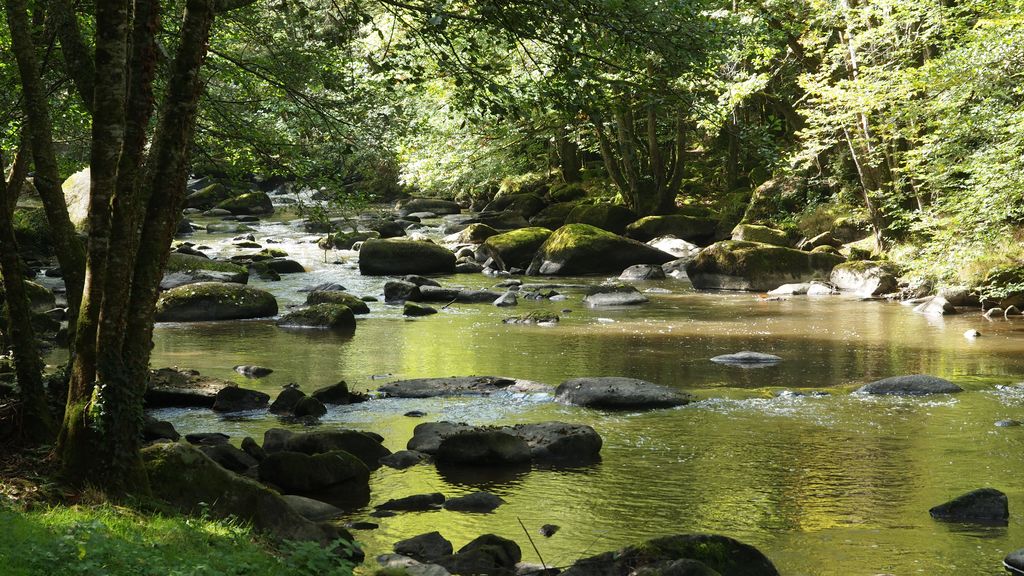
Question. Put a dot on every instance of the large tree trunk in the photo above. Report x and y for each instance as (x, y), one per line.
(568, 157)
(47, 180)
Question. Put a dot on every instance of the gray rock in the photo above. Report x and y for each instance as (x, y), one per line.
(935, 306)
(286, 401)
(559, 442)
(723, 555)
(425, 547)
(229, 457)
(234, 399)
(912, 385)
(399, 291)
(1007, 423)
(481, 502)
(643, 272)
(153, 429)
(311, 509)
(415, 503)
(363, 446)
(747, 358)
(613, 295)
(616, 393)
(791, 289)
(677, 247)
(253, 371)
(409, 566)
(488, 555)
(1014, 562)
(507, 299)
(865, 278)
(454, 386)
(403, 459)
(483, 447)
(394, 257)
(982, 505)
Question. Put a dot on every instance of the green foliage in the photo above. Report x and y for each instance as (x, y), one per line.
(104, 540)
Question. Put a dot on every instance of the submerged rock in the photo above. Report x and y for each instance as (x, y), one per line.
(616, 393)
(912, 385)
(403, 459)
(453, 386)
(414, 503)
(747, 358)
(982, 505)
(480, 502)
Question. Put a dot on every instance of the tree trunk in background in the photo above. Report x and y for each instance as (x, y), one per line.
(36, 422)
(568, 157)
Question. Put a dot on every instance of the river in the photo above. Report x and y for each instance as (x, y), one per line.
(823, 484)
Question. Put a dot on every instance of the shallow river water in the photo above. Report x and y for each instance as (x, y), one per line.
(824, 485)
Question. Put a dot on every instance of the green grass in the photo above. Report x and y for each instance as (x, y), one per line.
(113, 541)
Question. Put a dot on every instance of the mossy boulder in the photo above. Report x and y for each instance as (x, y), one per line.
(579, 249)
(346, 240)
(32, 231)
(515, 249)
(553, 217)
(567, 192)
(185, 269)
(865, 277)
(435, 205)
(781, 195)
(209, 196)
(721, 554)
(525, 204)
(335, 477)
(476, 234)
(354, 303)
(763, 234)
(214, 301)
(363, 446)
(413, 309)
(323, 316)
(191, 482)
(695, 229)
(399, 257)
(737, 265)
(610, 217)
(248, 203)
(40, 299)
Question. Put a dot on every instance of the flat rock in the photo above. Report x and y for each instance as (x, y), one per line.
(179, 388)
(613, 295)
(617, 393)
(403, 459)
(481, 502)
(425, 547)
(912, 385)
(311, 509)
(415, 503)
(747, 358)
(453, 386)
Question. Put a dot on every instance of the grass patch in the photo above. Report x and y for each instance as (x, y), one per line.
(111, 540)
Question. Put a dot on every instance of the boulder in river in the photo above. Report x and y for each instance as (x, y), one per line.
(578, 249)
(617, 393)
(403, 459)
(397, 257)
(323, 316)
(214, 301)
(248, 203)
(675, 246)
(935, 306)
(516, 248)
(488, 555)
(452, 386)
(251, 371)
(611, 217)
(178, 388)
(1014, 562)
(912, 385)
(397, 291)
(337, 394)
(414, 503)
(229, 457)
(613, 295)
(311, 509)
(185, 269)
(480, 502)
(328, 476)
(366, 448)
(483, 447)
(981, 505)
(724, 555)
(354, 303)
(553, 217)
(690, 228)
(740, 265)
(414, 309)
(435, 205)
(747, 358)
(425, 547)
(560, 442)
(235, 399)
(643, 272)
(762, 234)
(865, 277)
(153, 429)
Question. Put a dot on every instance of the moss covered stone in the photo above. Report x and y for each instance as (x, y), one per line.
(763, 234)
(248, 203)
(610, 217)
(517, 248)
(346, 240)
(567, 192)
(415, 309)
(400, 257)
(39, 297)
(525, 204)
(476, 234)
(209, 196)
(354, 303)
(553, 217)
(326, 316)
(190, 481)
(720, 554)
(214, 301)
(690, 228)
(738, 265)
(185, 269)
(579, 249)
(32, 231)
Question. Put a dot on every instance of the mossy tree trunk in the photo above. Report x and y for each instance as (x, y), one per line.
(137, 199)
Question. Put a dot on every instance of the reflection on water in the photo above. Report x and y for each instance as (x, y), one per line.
(825, 484)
